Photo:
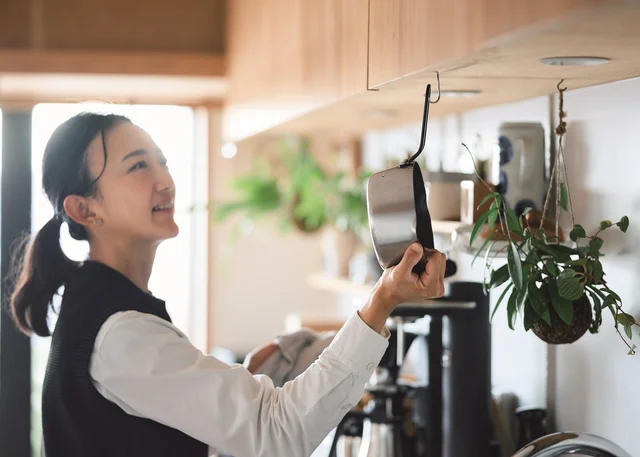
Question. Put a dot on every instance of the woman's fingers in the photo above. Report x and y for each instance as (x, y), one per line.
(409, 260)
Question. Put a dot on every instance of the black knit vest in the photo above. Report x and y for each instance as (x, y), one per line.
(77, 420)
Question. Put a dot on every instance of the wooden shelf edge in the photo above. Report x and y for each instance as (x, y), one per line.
(339, 285)
(112, 62)
(446, 227)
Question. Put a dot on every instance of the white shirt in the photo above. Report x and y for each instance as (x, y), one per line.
(150, 369)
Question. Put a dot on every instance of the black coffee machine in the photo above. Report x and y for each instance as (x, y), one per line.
(447, 413)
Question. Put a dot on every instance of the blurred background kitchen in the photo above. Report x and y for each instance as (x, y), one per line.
(273, 113)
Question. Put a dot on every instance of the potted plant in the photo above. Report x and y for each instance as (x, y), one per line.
(301, 195)
(297, 199)
(558, 289)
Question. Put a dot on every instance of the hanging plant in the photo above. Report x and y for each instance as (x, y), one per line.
(558, 290)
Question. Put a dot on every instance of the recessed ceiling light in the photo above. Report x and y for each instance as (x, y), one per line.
(574, 61)
(460, 93)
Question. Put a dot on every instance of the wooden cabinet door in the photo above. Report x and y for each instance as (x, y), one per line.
(406, 36)
(287, 57)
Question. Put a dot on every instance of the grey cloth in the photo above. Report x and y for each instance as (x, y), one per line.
(295, 353)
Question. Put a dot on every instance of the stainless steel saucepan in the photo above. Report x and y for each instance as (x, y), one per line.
(397, 206)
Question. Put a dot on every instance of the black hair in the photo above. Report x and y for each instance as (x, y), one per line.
(39, 266)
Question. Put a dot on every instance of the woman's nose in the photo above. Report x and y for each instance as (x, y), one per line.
(164, 181)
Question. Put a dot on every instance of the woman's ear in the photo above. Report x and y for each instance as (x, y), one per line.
(79, 211)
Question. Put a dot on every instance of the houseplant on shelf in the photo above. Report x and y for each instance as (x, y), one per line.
(296, 198)
(558, 289)
(301, 195)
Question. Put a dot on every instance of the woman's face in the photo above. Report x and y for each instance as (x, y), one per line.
(135, 191)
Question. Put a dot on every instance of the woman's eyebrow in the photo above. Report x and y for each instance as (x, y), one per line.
(137, 152)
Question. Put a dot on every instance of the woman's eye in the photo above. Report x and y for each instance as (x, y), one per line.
(139, 165)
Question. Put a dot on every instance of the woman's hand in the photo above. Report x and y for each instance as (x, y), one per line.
(401, 285)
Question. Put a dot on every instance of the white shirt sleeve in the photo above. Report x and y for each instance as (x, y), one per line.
(150, 369)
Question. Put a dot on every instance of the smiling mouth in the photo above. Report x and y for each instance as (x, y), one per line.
(164, 207)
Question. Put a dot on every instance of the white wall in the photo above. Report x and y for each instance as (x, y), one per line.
(592, 381)
(260, 278)
(596, 381)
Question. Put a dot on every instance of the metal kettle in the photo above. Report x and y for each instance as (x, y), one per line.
(397, 206)
(381, 436)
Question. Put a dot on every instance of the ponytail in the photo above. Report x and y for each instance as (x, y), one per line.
(39, 268)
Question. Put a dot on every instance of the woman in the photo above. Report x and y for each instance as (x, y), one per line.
(121, 380)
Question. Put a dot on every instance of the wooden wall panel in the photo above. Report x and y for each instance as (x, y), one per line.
(285, 57)
(15, 18)
(146, 25)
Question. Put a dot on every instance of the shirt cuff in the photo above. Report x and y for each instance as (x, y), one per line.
(358, 346)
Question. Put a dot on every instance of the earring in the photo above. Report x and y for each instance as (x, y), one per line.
(96, 221)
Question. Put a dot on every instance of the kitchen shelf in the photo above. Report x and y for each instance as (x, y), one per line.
(345, 286)
(446, 227)
(339, 285)
(462, 235)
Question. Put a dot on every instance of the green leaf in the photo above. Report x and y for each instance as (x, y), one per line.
(559, 255)
(551, 267)
(493, 216)
(597, 307)
(614, 295)
(596, 269)
(570, 285)
(579, 263)
(522, 298)
(563, 306)
(626, 319)
(535, 299)
(499, 276)
(478, 225)
(493, 195)
(544, 300)
(564, 197)
(512, 309)
(594, 245)
(512, 221)
(605, 224)
(526, 211)
(530, 317)
(484, 245)
(577, 233)
(515, 265)
(598, 292)
(609, 302)
(504, 293)
(623, 224)
(627, 330)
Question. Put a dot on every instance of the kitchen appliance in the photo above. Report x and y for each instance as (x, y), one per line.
(519, 167)
(445, 411)
(397, 206)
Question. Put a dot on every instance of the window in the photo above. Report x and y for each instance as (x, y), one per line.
(175, 130)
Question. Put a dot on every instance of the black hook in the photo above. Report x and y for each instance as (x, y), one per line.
(558, 86)
(425, 120)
